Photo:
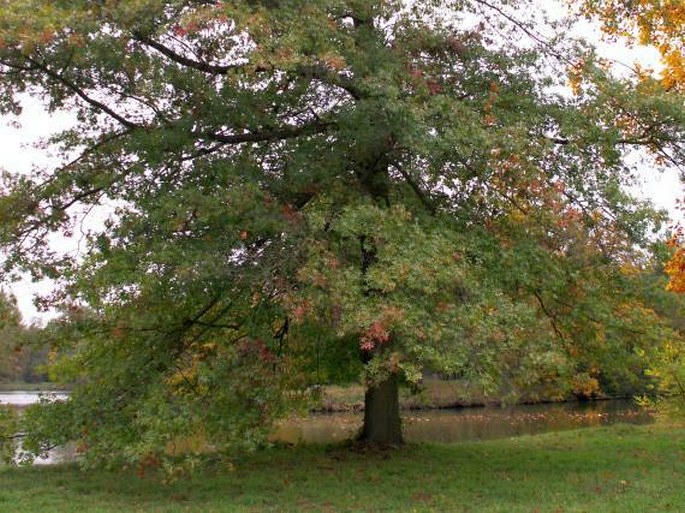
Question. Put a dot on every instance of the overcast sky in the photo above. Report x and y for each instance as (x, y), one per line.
(18, 154)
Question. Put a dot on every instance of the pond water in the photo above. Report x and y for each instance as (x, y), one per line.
(21, 399)
(444, 426)
(467, 424)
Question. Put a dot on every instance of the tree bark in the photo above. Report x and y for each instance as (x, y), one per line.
(382, 424)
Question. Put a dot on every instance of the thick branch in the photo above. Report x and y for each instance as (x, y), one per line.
(318, 72)
(205, 67)
(325, 75)
(417, 190)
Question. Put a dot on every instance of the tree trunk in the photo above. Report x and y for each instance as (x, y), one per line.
(382, 425)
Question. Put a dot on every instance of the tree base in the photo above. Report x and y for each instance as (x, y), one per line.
(382, 425)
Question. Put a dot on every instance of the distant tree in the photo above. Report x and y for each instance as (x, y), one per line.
(8, 430)
(372, 185)
(11, 331)
(669, 364)
(11, 335)
(23, 353)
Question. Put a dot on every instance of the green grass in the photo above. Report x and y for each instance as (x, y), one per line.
(621, 469)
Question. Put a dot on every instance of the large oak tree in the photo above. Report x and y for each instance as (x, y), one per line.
(361, 186)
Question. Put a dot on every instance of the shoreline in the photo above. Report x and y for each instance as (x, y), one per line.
(437, 395)
(33, 387)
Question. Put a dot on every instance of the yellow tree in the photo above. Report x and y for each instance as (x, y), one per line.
(659, 23)
(671, 367)
(675, 267)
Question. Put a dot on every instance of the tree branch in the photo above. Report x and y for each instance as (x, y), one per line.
(205, 67)
(81, 93)
(417, 190)
(552, 318)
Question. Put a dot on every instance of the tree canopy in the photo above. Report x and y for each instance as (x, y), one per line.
(298, 191)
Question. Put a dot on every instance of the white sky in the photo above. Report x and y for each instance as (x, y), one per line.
(18, 154)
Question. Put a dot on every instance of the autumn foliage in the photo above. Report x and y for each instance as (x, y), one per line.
(659, 23)
(675, 267)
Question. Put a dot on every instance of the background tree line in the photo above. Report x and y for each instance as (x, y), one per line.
(22, 358)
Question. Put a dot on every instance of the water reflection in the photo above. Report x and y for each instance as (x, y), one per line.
(466, 424)
(62, 454)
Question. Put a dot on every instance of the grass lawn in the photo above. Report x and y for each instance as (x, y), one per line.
(620, 468)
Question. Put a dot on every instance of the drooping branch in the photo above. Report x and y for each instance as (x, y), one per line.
(90, 151)
(74, 88)
(538, 38)
(550, 315)
(628, 141)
